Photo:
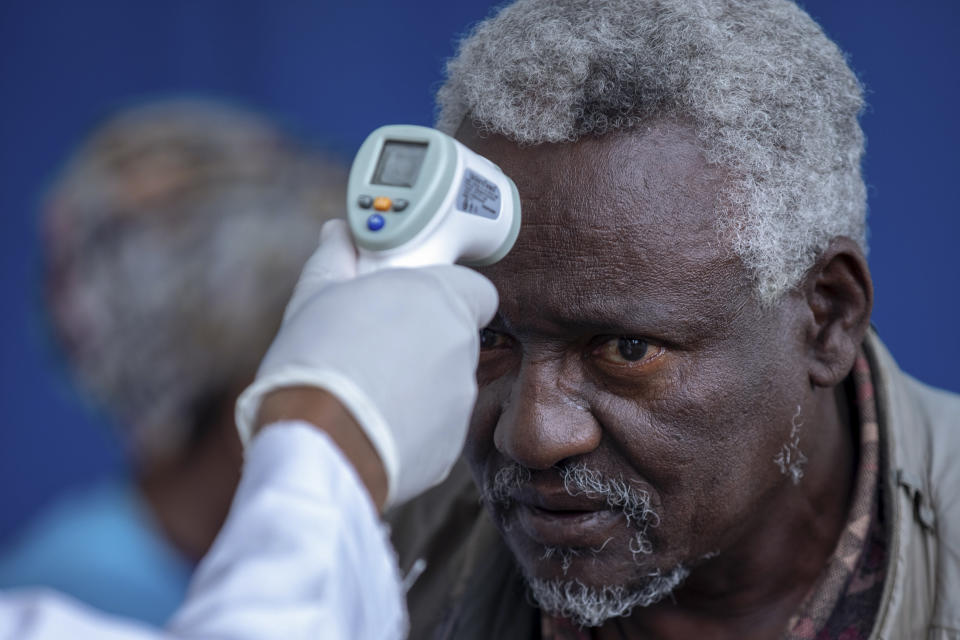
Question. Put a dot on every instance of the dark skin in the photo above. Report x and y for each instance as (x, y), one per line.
(324, 411)
(620, 243)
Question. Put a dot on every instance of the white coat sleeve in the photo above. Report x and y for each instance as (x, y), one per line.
(302, 554)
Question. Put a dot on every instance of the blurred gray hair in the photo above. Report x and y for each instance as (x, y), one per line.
(769, 96)
(174, 238)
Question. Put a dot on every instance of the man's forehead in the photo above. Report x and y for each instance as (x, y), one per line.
(662, 156)
(627, 220)
(553, 279)
(626, 187)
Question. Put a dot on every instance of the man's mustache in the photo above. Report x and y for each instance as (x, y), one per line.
(578, 480)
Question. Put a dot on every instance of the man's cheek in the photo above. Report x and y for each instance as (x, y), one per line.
(479, 443)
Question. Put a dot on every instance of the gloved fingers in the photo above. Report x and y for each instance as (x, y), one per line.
(335, 260)
(477, 294)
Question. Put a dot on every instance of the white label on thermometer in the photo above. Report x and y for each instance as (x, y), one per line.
(478, 196)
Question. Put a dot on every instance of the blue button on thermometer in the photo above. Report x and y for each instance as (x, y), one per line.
(457, 206)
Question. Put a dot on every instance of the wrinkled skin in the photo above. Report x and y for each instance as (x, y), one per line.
(619, 239)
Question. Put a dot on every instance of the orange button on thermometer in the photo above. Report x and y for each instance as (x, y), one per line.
(382, 203)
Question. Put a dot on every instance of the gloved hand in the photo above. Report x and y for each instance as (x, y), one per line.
(398, 348)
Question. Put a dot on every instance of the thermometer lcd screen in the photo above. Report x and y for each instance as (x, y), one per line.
(399, 163)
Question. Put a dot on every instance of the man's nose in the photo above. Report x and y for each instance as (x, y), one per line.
(542, 424)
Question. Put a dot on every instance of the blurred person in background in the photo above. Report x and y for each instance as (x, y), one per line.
(173, 240)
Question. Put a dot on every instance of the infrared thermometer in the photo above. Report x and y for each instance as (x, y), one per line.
(418, 197)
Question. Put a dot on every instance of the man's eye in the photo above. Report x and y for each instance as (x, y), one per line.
(490, 339)
(624, 350)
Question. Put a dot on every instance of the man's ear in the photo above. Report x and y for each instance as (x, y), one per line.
(839, 292)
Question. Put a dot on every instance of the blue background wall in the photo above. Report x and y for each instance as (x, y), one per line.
(331, 73)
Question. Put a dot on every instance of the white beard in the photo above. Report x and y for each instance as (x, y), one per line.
(592, 606)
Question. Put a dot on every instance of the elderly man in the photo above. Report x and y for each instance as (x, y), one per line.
(685, 426)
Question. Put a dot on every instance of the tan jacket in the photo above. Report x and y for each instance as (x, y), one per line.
(471, 588)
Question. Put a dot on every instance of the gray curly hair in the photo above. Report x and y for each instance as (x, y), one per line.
(770, 97)
(174, 237)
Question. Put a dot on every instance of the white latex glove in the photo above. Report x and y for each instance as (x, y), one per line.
(397, 347)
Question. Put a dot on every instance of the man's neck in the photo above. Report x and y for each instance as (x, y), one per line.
(753, 588)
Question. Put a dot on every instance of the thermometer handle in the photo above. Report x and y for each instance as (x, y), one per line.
(427, 255)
